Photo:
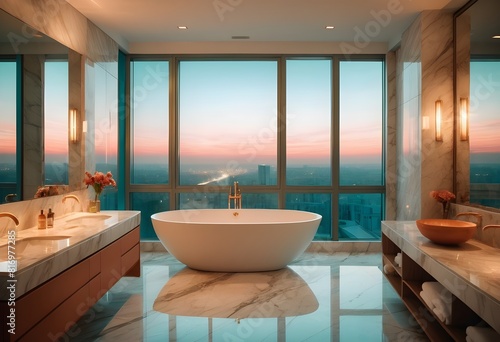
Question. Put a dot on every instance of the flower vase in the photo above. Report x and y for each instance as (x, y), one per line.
(95, 205)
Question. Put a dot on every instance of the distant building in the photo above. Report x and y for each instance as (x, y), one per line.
(264, 174)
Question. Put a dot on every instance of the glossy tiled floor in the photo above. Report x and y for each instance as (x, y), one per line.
(340, 297)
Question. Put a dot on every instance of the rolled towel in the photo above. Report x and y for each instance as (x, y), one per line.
(438, 293)
(440, 298)
(388, 269)
(398, 259)
(442, 309)
(427, 299)
(482, 334)
(443, 317)
(468, 339)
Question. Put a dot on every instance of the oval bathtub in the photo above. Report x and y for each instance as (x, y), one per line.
(236, 240)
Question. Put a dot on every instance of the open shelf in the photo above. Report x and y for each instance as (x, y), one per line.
(408, 280)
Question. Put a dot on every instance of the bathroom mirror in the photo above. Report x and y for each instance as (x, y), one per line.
(477, 87)
(39, 85)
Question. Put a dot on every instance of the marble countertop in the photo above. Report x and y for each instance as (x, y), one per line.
(470, 271)
(41, 254)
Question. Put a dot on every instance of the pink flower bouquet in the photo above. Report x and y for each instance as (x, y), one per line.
(99, 181)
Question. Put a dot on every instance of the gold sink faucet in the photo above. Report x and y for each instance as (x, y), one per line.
(12, 216)
(235, 195)
(488, 226)
(73, 197)
(478, 216)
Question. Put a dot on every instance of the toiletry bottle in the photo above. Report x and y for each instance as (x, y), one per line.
(42, 221)
(50, 219)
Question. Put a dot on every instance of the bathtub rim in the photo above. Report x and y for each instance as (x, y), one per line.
(313, 216)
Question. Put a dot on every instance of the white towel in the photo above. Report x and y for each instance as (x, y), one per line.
(440, 298)
(443, 317)
(482, 334)
(427, 299)
(398, 259)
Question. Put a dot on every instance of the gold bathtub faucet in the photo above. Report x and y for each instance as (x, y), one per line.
(235, 196)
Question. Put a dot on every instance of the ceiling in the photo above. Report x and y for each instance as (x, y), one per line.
(156, 21)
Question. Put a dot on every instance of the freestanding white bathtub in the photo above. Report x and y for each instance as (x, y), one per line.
(236, 240)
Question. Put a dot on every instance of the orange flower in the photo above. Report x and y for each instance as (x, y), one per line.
(442, 196)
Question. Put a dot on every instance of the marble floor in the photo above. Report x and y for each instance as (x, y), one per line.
(320, 297)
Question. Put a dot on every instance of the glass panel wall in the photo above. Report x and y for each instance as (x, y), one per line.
(149, 203)
(149, 122)
(308, 124)
(361, 115)
(56, 93)
(484, 139)
(228, 122)
(106, 131)
(8, 164)
(360, 216)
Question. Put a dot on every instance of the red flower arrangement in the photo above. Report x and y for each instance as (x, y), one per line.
(99, 181)
(444, 197)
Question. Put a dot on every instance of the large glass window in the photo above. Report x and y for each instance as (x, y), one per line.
(56, 121)
(228, 122)
(8, 164)
(230, 126)
(308, 129)
(150, 122)
(484, 139)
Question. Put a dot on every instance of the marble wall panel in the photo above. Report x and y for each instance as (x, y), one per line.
(437, 84)
(426, 75)
(391, 138)
(33, 139)
(462, 81)
(60, 21)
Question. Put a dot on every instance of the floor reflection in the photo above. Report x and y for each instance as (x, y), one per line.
(281, 293)
(337, 297)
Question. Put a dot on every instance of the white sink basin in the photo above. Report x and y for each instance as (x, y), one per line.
(33, 244)
(87, 220)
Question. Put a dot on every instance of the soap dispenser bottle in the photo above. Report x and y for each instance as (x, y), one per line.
(50, 219)
(42, 220)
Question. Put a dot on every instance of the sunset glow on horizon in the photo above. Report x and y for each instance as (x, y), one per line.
(211, 130)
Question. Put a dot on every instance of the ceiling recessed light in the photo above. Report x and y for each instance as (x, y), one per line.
(240, 37)
(496, 37)
(182, 27)
(329, 27)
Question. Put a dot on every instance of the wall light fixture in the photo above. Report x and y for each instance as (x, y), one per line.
(438, 117)
(464, 119)
(73, 132)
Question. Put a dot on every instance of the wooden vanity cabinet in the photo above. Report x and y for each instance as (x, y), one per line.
(50, 310)
(407, 280)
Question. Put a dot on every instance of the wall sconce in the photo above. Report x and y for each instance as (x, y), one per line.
(438, 117)
(464, 119)
(73, 136)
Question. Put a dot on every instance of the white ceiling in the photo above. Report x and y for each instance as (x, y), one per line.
(156, 21)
